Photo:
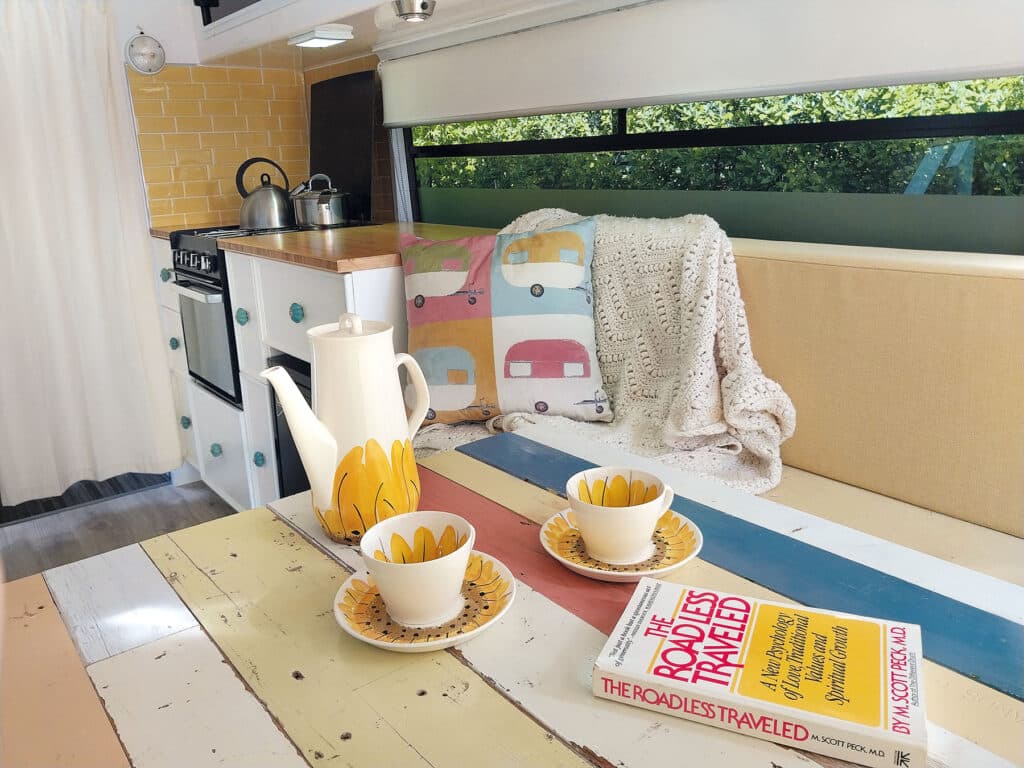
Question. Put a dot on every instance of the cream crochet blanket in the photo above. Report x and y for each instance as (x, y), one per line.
(674, 350)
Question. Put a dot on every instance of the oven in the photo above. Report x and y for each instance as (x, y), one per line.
(201, 282)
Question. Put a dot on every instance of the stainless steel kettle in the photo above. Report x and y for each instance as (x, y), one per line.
(267, 206)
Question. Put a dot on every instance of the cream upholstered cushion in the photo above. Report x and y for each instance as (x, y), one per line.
(906, 369)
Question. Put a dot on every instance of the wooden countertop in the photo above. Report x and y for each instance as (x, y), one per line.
(347, 249)
(163, 233)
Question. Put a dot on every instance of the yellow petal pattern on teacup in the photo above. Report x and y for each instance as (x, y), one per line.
(617, 492)
(584, 491)
(424, 547)
(368, 488)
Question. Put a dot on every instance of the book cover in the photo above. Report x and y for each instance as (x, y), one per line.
(832, 683)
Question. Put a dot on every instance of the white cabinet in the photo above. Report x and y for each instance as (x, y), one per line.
(183, 413)
(246, 313)
(259, 434)
(163, 272)
(174, 341)
(295, 299)
(273, 305)
(221, 446)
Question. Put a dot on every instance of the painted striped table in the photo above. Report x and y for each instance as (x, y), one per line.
(217, 646)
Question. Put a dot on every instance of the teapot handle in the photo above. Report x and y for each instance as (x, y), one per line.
(419, 411)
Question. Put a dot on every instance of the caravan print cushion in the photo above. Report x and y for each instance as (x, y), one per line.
(505, 324)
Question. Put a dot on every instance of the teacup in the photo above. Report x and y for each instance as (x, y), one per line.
(616, 510)
(418, 562)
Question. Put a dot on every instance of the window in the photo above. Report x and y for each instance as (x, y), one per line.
(518, 369)
(941, 141)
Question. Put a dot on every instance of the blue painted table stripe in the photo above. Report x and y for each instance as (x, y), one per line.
(968, 640)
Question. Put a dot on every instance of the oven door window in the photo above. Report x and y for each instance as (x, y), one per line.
(207, 344)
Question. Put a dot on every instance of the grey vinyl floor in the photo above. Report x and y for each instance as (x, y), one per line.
(46, 541)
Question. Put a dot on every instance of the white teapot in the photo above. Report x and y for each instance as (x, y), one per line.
(356, 441)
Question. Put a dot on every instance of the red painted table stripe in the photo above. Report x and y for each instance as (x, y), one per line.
(516, 542)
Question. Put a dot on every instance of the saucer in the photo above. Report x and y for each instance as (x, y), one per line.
(676, 541)
(489, 589)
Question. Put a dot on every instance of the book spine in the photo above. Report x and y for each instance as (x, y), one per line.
(741, 716)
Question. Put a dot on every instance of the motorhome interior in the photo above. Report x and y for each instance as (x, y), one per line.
(771, 254)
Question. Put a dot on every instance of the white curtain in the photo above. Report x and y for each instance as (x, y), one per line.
(84, 386)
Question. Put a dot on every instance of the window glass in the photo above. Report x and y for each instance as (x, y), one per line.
(517, 369)
(982, 165)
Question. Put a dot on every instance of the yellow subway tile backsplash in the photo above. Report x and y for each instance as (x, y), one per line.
(202, 189)
(196, 125)
(263, 122)
(179, 91)
(165, 190)
(209, 74)
(151, 141)
(228, 123)
(148, 108)
(194, 157)
(222, 91)
(218, 107)
(175, 107)
(252, 107)
(282, 76)
(155, 157)
(190, 204)
(158, 173)
(240, 75)
(287, 138)
(216, 139)
(190, 172)
(155, 124)
(188, 124)
(181, 141)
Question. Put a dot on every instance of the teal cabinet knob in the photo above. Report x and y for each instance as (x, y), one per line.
(259, 459)
(173, 343)
(216, 450)
(296, 313)
(241, 316)
(186, 422)
(165, 274)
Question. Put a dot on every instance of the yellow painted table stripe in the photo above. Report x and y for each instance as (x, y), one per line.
(961, 705)
(265, 594)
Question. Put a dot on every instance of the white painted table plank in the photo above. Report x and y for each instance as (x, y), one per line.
(177, 702)
(990, 594)
(116, 601)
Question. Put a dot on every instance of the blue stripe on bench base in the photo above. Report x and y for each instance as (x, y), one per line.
(973, 642)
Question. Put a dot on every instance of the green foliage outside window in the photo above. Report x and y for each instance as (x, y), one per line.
(989, 165)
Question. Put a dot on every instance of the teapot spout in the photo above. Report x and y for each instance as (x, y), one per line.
(317, 447)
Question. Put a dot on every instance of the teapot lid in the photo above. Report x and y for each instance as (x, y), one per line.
(349, 326)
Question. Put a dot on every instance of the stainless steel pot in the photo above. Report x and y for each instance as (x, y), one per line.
(320, 208)
(267, 206)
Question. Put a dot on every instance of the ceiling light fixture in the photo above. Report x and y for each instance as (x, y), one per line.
(414, 10)
(323, 36)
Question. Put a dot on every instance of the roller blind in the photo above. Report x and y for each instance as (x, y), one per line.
(694, 50)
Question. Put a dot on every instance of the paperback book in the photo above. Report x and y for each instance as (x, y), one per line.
(832, 683)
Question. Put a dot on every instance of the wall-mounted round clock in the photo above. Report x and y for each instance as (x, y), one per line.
(145, 54)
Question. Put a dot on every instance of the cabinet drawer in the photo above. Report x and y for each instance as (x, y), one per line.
(163, 267)
(296, 299)
(259, 432)
(220, 447)
(174, 341)
(183, 414)
(245, 314)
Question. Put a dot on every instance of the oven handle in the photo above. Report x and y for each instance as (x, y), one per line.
(203, 297)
